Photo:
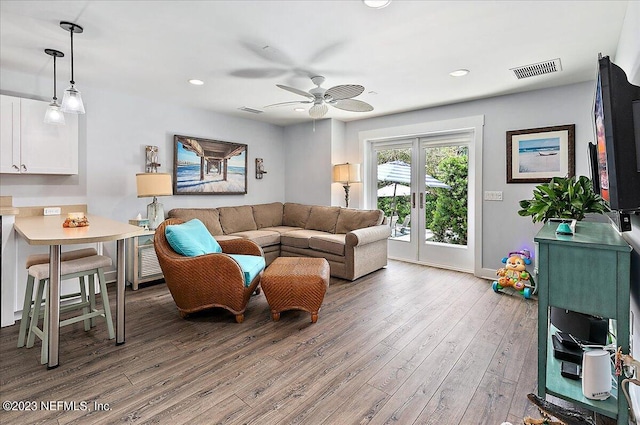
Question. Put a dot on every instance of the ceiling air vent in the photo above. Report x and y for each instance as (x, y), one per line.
(535, 69)
(250, 110)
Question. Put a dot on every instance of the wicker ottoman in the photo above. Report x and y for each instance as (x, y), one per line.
(295, 283)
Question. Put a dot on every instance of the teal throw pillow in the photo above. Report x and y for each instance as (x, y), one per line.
(191, 239)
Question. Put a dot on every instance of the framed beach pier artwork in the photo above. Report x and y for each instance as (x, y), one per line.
(536, 155)
(209, 167)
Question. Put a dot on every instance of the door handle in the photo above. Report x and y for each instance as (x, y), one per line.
(24, 167)
(421, 200)
(15, 167)
(413, 200)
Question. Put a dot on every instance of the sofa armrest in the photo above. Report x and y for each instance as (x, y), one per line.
(368, 234)
(241, 246)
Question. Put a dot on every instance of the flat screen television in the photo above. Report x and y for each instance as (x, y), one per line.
(617, 151)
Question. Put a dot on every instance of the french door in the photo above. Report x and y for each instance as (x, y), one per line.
(423, 186)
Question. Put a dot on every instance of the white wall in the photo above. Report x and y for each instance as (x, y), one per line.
(502, 229)
(339, 156)
(308, 162)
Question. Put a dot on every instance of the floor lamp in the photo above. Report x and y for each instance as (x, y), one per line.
(346, 174)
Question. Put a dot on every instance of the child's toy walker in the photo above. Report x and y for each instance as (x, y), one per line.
(514, 274)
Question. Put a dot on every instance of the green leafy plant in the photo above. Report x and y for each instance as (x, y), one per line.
(449, 220)
(563, 197)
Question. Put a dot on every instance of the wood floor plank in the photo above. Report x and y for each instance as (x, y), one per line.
(449, 402)
(396, 372)
(490, 404)
(358, 410)
(327, 393)
(412, 396)
(513, 348)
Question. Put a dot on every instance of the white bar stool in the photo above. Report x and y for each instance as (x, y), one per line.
(28, 296)
(69, 269)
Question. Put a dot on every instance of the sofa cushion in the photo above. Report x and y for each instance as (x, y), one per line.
(323, 218)
(295, 215)
(261, 237)
(237, 219)
(268, 215)
(209, 216)
(226, 237)
(251, 266)
(299, 238)
(333, 244)
(281, 229)
(191, 239)
(352, 219)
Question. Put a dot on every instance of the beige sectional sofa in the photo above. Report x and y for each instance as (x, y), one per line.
(354, 242)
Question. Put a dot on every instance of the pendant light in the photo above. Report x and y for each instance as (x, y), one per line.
(72, 101)
(54, 114)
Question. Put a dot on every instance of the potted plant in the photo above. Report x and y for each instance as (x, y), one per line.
(563, 197)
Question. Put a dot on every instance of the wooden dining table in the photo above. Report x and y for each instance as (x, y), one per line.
(49, 230)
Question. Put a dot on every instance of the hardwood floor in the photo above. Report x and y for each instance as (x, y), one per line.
(405, 345)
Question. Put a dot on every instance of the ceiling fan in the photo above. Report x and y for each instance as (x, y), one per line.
(340, 97)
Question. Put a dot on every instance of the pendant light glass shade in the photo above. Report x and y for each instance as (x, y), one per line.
(72, 101)
(54, 114)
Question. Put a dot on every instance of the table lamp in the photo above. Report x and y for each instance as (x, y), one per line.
(154, 184)
(346, 174)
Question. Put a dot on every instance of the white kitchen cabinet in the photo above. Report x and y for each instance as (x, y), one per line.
(29, 146)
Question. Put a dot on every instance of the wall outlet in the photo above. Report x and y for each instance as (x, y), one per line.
(52, 211)
(493, 195)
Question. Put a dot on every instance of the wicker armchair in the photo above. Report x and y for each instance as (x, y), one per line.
(206, 281)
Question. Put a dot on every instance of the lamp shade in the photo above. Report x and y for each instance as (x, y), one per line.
(154, 184)
(72, 101)
(54, 114)
(346, 173)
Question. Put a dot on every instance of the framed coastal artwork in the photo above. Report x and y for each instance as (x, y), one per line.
(536, 155)
(209, 167)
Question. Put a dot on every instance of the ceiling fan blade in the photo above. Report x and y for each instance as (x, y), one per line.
(295, 102)
(352, 105)
(296, 91)
(318, 111)
(346, 91)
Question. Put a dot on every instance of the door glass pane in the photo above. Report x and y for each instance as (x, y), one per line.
(394, 190)
(445, 206)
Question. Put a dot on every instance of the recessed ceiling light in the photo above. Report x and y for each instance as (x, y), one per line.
(196, 82)
(376, 4)
(459, 72)
(299, 109)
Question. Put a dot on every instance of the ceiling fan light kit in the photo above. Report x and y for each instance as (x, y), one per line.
(54, 114)
(459, 72)
(376, 4)
(340, 97)
(72, 100)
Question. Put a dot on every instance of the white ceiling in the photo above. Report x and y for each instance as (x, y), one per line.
(403, 52)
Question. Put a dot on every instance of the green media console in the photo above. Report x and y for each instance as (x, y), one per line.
(588, 272)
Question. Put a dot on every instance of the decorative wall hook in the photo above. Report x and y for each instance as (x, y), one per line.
(260, 168)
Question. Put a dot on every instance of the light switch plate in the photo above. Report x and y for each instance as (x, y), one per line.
(493, 195)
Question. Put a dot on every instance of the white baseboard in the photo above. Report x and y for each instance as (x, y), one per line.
(489, 274)
(439, 266)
